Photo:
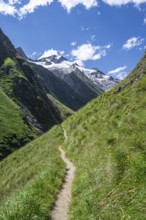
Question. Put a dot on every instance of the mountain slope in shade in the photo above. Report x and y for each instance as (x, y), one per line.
(21, 84)
(64, 69)
(21, 52)
(75, 96)
(14, 131)
(107, 143)
(43, 99)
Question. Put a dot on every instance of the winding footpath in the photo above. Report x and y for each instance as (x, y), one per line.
(60, 211)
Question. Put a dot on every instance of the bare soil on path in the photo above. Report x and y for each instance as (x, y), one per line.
(60, 211)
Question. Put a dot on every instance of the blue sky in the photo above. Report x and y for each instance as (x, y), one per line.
(107, 34)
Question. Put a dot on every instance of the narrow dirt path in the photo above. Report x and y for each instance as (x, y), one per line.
(60, 211)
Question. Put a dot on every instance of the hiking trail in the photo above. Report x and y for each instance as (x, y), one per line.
(60, 210)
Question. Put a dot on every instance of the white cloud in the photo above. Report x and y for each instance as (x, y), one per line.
(51, 52)
(117, 70)
(123, 2)
(13, 2)
(48, 53)
(74, 43)
(7, 9)
(133, 42)
(17, 8)
(144, 20)
(69, 4)
(89, 52)
(11, 8)
(32, 5)
(118, 73)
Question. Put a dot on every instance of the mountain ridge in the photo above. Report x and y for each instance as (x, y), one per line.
(63, 68)
(43, 99)
(106, 141)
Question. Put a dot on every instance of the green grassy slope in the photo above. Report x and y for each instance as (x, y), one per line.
(31, 178)
(64, 110)
(25, 91)
(13, 130)
(22, 84)
(107, 143)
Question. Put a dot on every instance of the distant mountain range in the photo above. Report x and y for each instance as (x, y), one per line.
(105, 140)
(64, 69)
(37, 96)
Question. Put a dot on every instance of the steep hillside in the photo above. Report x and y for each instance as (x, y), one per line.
(74, 97)
(34, 176)
(107, 143)
(14, 132)
(74, 74)
(6, 47)
(38, 112)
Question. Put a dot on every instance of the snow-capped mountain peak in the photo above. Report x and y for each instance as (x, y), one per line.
(60, 66)
(53, 59)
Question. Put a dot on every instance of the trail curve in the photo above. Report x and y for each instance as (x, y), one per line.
(60, 211)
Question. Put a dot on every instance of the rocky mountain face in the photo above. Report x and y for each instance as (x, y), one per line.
(6, 47)
(66, 70)
(40, 99)
(21, 52)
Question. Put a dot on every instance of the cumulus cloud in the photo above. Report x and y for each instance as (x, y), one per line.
(51, 52)
(19, 9)
(89, 52)
(69, 4)
(123, 2)
(7, 9)
(48, 53)
(133, 42)
(13, 2)
(12, 8)
(118, 73)
(32, 5)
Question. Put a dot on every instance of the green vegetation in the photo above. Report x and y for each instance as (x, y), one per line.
(31, 178)
(20, 85)
(38, 96)
(107, 143)
(64, 110)
(8, 74)
(13, 131)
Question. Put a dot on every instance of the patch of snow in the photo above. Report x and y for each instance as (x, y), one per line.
(65, 67)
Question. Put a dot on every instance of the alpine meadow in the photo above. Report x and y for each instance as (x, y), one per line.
(72, 136)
